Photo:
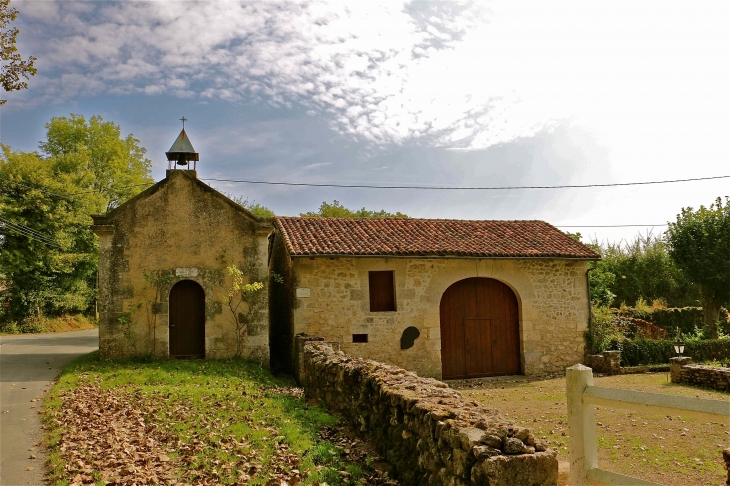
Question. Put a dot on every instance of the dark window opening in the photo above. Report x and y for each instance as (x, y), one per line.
(359, 338)
(382, 291)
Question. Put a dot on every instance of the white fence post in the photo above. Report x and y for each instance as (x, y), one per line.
(581, 425)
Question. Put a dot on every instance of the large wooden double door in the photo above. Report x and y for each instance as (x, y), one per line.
(479, 330)
(187, 320)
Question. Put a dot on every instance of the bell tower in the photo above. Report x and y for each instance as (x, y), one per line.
(182, 152)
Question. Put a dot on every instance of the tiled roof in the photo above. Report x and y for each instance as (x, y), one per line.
(427, 237)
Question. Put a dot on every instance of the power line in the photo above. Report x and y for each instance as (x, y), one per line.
(457, 188)
(29, 232)
(27, 229)
(610, 225)
(373, 186)
(31, 236)
(21, 231)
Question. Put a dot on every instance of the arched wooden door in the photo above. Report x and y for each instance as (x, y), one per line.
(479, 330)
(187, 320)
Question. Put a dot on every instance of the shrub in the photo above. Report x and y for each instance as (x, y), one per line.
(606, 328)
(643, 351)
(684, 318)
(10, 327)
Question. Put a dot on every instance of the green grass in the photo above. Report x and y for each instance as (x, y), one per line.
(214, 413)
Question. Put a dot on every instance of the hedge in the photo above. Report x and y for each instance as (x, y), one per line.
(686, 318)
(645, 352)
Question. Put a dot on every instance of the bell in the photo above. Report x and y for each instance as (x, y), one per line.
(182, 161)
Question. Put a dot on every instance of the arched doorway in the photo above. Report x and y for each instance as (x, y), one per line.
(187, 320)
(479, 330)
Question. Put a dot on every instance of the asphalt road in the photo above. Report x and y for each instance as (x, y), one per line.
(28, 365)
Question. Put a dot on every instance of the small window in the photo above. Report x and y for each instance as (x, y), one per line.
(359, 338)
(382, 291)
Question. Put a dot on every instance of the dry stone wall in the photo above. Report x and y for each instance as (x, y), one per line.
(609, 362)
(428, 432)
(683, 371)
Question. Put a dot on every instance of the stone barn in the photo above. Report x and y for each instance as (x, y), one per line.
(445, 298)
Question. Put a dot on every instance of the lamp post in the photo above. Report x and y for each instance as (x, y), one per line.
(679, 345)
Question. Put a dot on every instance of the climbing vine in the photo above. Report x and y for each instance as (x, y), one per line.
(244, 300)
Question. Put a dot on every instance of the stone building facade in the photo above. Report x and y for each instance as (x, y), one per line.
(444, 298)
(179, 231)
(330, 291)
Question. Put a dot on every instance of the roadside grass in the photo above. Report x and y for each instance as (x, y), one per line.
(216, 422)
(670, 450)
(64, 323)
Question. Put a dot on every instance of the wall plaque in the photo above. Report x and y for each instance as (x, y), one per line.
(186, 272)
(304, 292)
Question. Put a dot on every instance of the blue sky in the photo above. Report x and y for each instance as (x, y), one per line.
(407, 93)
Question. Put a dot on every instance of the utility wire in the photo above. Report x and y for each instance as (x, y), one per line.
(458, 188)
(373, 186)
(31, 235)
(29, 232)
(28, 228)
(609, 225)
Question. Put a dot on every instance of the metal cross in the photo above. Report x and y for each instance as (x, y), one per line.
(183, 119)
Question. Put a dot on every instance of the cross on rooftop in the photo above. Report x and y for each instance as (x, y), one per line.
(183, 119)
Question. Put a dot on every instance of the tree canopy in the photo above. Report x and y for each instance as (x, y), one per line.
(115, 166)
(14, 69)
(48, 253)
(699, 243)
(638, 270)
(337, 210)
(252, 206)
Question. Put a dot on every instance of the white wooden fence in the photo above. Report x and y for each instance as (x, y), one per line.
(582, 398)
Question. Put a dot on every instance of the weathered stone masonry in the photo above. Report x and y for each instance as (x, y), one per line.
(683, 371)
(552, 297)
(177, 224)
(426, 431)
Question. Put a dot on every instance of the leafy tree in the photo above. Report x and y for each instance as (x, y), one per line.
(600, 277)
(13, 66)
(636, 271)
(48, 253)
(699, 243)
(643, 269)
(117, 165)
(47, 250)
(601, 280)
(337, 210)
(255, 208)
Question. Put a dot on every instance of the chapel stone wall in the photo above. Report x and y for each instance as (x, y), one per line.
(178, 230)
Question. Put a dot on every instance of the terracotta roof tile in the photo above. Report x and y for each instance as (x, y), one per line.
(428, 237)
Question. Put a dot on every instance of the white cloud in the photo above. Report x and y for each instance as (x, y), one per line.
(646, 77)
